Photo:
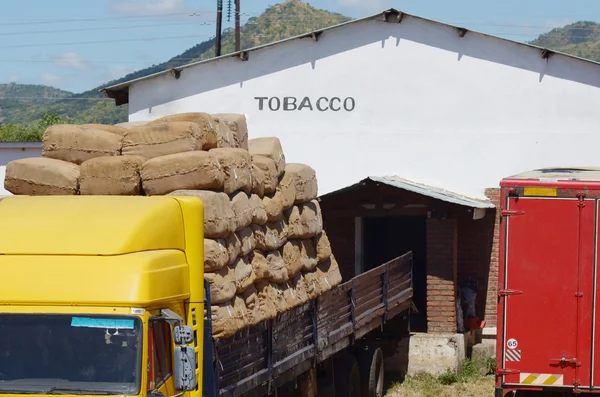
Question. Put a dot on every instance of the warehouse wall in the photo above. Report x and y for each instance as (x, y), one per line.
(421, 102)
(10, 151)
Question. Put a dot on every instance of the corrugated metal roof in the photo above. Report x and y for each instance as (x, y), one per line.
(431, 191)
(120, 92)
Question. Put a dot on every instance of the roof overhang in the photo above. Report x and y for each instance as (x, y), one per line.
(477, 206)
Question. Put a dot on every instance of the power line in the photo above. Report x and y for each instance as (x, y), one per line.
(106, 41)
(103, 28)
(73, 20)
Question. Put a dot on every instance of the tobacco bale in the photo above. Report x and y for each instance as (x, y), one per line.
(219, 218)
(312, 284)
(246, 237)
(271, 236)
(278, 272)
(222, 284)
(278, 297)
(237, 124)
(242, 208)
(244, 275)
(225, 137)
(305, 179)
(75, 144)
(115, 129)
(208, 131)
(228, 318)
(308, 255)
(268, 147)
(216, 255)
(235, 163)
(328, 274)
(41, 177)
(292, 257)
(294, 294)
(323, 246)
(234, 248)
(267, 298)
(304, 220)
(111, 175)
(156, 140)
(130, 124)
(287, 190)
(258, 180)
(273, 206)
(269, 170)
(197, 170)
(259, 212)
(253, 313)
(260, 266)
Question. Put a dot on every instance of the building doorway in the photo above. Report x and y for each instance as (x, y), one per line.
(385, 238)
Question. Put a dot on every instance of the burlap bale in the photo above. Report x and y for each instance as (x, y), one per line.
(273, 206)
(156, 140)
(228, 318)
(222, 284)
(244, 275)
(286, 191)
(130, 124)
(235, 163)
(258, 180)
(259, 212)
(39, 176)
(304, 220)
(278, 272)
(246, 237)
(197, 170)
(269, 147)
(269, 170)
(312, 284)
(216, 255)
(292, 257)
(328, 274)
(237, 124)
(115, 129)
(308, 255)
(278, 297)
(267, 299)
(75, 144)
(253, 313)
(219, 218)
(305, 179)
(234, 247)
(260, 266)
(323, 246)
(294, 294)
(242, 208)
(111, 175)
(271, 236)
(225, 137)
(208, 131)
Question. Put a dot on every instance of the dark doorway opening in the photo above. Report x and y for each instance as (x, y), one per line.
(386, 238)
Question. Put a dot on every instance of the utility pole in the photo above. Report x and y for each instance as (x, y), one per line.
(219, 22)
(237, 25)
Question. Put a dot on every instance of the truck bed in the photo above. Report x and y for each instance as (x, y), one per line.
(263, 357)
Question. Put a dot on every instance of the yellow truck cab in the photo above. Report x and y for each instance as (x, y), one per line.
(98, 297)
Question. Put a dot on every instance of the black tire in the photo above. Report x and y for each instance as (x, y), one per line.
(347, 377)
(372, 372)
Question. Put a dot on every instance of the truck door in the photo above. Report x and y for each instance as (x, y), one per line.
(547, 291)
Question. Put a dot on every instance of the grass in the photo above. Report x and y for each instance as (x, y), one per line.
(470, 381)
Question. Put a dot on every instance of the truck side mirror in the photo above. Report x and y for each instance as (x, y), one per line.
(185, 368)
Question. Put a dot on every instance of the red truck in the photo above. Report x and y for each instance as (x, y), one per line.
(548, 340)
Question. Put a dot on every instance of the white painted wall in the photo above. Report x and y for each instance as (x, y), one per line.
(3, 192)
(459, 113)
(14, 151)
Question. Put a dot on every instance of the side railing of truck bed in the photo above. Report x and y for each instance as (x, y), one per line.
(264, 357)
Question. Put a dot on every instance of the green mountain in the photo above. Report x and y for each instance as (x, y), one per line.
(581, 39)
(278, 22)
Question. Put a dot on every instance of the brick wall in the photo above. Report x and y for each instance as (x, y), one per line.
(340, 231)
(492, 296)
(442, 242)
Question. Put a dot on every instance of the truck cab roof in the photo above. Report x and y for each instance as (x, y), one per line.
(109, 250)
(580, 177)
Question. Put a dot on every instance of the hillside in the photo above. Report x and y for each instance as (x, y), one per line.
(268, 27)
(581, 39)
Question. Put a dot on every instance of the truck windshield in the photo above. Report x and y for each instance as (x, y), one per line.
(69, 354)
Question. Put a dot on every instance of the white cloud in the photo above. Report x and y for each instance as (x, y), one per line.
(148, 7)
(70, 60)
(50, 79)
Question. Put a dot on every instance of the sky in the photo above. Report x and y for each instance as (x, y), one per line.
(77, 45)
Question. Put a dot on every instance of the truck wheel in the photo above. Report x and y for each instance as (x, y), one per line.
(347, 377)
(371, 369)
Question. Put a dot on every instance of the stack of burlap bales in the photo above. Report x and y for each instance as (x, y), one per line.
(265, 248)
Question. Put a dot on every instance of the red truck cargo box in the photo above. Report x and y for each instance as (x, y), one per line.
(547, 312)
